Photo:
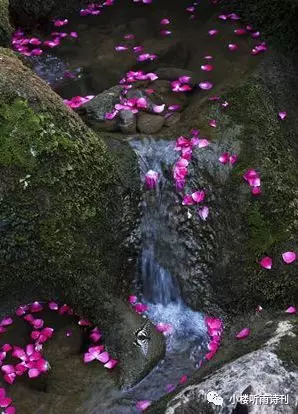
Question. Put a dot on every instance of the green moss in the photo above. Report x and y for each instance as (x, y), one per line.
(5, 27)
(24, 135)
(276, 20)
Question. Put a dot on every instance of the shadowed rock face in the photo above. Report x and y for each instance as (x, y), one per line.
(5, 27)
(67, 210)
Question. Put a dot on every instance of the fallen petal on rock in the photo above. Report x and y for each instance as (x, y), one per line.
(266, 262)
(244, 333)
(291, 310)
(289, 257)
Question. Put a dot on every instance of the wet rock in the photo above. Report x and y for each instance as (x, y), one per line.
(128, 123)
(75, 197)
(172, 119)
(252, 368)
(149, 123)
(94, 111)
(162, 91)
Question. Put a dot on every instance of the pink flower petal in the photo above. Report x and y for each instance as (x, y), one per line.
(240, 32)
(183, 379)
(143, 405)
(203, 213)
(232, 47)
(158, 108)
(207, 68)
(198, 196)
(164, 327)
(233, 159)
(104, 357)
(266, 262)
(33, 373)
(282, 115)
(224, 158)
(132, 299)
(205, 85)
(140, 308)
(259, 308)
(212, 32)
(6, 322)
(244, 333)
(36, 307)
(213, 123)
(151, 179)
(111, 364)
(188, 200)
(291, 310)
(289, 257)
(165, 21)
(53, 306)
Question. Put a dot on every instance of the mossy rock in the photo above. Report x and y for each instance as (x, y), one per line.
(68, 208)
(276, 20)
(5, 26)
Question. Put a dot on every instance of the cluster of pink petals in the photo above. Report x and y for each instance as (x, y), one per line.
(33, 46)
(77, 101)
(262, 47)
(5, 403)
(227, 158)
(288, 258)
(194, 198)
(181, 84)
(252, 177)
(98, 353)
(31, 361)
(185, 145)
(231, 16)
(138, 307)
(244, 333)
(94, 9)
(215, 329)
(133, 104)
(151, 179)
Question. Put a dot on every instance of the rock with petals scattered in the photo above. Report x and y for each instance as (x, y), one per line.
(244, 333)
(289, 257)
(266, 262)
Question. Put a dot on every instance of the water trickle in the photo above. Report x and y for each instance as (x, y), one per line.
(160, 291)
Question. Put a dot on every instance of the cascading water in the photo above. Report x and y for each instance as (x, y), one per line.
(159, 233)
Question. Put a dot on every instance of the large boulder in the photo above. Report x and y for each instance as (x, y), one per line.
(243, 373)
(221, 264)
(67, 210)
